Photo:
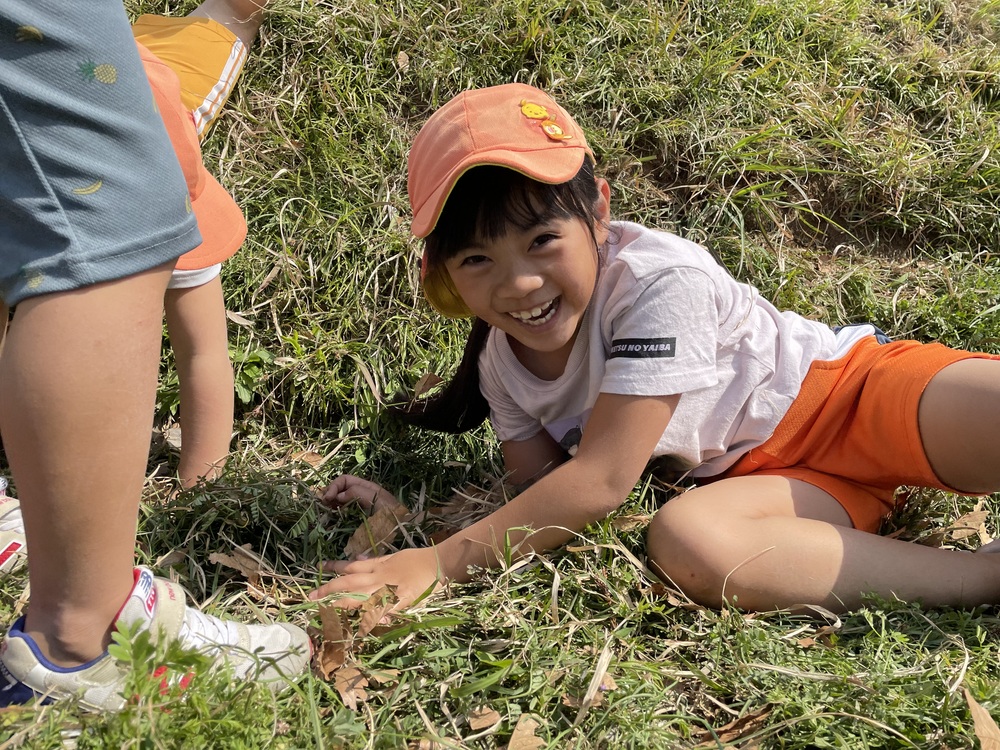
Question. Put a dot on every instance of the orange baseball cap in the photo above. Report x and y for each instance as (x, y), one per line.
(220, 220)
(513, 125)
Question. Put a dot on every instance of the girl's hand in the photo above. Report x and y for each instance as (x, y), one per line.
(411, 572)
(348, 488)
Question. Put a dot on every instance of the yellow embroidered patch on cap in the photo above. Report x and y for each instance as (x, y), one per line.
(547, 123)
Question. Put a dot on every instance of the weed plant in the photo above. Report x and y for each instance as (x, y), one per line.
(842, 155)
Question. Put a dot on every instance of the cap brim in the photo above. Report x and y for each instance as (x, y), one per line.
(221, 224)
(551, 166)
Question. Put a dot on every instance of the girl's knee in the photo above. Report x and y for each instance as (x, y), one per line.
(682, 545)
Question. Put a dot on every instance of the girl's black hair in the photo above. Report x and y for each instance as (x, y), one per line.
(485, 203)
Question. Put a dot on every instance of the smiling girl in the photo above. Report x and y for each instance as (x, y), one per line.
(598, 346)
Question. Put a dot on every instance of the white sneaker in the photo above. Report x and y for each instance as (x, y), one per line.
(272, 654)
(13, 552)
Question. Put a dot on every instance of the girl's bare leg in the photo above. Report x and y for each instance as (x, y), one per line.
(960, 425)
(77, 386)
(196, 320)
(242, 17)
(767, 542)
(770, 542)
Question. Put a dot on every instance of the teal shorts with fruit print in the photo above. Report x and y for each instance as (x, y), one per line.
(90, 189)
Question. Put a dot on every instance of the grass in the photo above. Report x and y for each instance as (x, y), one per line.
(842, 155)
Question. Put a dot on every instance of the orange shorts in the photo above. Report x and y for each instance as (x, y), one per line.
(852, 430)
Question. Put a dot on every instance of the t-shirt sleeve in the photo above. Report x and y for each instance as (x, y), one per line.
(509, 421)
(663, 335)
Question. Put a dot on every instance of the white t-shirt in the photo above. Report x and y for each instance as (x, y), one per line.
(667, 319)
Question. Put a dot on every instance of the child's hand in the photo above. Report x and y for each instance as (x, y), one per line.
(348, 488)
(411, 572)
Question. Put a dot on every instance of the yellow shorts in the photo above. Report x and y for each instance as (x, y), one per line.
(206, 56)
(852, 431)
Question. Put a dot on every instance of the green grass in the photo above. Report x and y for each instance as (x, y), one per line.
(842, 155)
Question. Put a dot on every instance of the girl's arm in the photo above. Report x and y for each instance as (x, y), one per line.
(619, 439)
(529, 460)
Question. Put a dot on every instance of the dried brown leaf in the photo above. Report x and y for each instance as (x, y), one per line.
(384, 676)
(379, 529)
(351, 684)
(239, 319)
(312, 458)
(968, 525)
(524, 737)
(375, 608)
(172, 437)
(983, 724)
(736, 729)
(171, 558)
(243, 560)
(337, 640)
(631, 521)
(482, 717)
(671, 595)
(429, 381)
(576, 701)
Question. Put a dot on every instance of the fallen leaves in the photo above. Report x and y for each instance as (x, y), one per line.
(483, 717)
(377, 532)
(336, 643)
(466, 506)
(739, 728)
(244, 561)
(334, 660)
(965, 527)
(524, 737)
(983, 724)
(351, 684)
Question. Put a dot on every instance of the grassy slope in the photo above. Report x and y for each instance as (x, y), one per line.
(842, 155)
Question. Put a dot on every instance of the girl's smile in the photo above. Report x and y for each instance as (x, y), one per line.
(537, 315)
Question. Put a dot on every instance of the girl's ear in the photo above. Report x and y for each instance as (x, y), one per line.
(602, 211)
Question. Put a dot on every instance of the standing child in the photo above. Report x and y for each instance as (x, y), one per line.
(599, 345)
(193, 63)
(95, 210)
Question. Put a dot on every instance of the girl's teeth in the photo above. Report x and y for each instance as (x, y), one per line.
(532, 317)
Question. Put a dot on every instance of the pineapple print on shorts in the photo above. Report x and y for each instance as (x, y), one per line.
(28, 34)
(33, 278)
(104, 72)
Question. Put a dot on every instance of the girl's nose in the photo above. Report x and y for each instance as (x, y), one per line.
(519, 283)
(520, 279)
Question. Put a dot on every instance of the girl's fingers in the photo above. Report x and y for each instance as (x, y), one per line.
(350, 567)
(348, 488)
(358, 583)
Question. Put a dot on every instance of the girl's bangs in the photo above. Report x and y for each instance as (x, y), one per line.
(487, 202)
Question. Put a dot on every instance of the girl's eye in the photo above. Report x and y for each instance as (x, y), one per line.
(473, 260)
(543, 239)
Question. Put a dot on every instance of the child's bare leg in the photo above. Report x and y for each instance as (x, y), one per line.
(767, 542)
(196, 320)
(959, 420)
(77, 386)
(242, 17)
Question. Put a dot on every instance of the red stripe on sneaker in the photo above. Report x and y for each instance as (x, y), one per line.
(9, 551)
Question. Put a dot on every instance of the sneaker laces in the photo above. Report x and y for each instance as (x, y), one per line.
(200, 630)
